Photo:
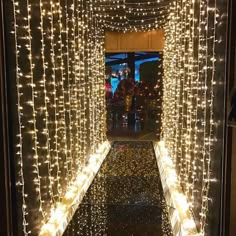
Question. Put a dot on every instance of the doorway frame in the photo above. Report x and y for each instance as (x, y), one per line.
(228, 133)
(5, 179)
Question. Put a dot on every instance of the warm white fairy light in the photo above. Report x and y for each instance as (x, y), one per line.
(60, 96)
(209, 140)
(46, 101)
(90, 79)
(68, 104)
(181, 218)
(21, 181)
(61, 81)
(62, 215)
(78, 24)
(31, 102)
(76, 88)
(55, 155)
(71, 87)
(71, 84)
(119, 15)
(189, 61)
(82, 44)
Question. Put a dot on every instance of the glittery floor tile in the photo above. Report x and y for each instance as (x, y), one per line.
(125, 198)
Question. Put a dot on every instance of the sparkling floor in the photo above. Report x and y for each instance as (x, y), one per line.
(125, 198)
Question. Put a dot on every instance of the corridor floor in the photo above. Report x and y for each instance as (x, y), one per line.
(125, 198)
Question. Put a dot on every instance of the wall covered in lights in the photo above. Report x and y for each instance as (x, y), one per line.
(55, 52)
(194, 102)
(56, 76)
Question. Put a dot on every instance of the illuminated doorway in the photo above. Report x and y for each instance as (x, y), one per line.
(133, 95)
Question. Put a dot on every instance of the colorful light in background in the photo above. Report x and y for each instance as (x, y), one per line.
(119, 71)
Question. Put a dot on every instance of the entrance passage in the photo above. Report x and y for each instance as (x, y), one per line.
(126, 197)
(134, 88)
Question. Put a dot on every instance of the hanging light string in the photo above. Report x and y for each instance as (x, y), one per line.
(31, 103)
(194, 72)
(77, 161)
(46, 104)
(67, 96)
(123, 15)
(53, 140)
(19, 77)
(60, 103)
(83, 85)
(209, 139)
(90, 79)
(63, 144)
(56, 159)
(79, 35)
(193, 96)
(68, 103)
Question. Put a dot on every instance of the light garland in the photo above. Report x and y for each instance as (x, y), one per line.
(188, 121)
(61, 102)
(61, 94)
(126, 16)
(62, 215)
(61, 118)
(68, 96)
(53, 99)
(181, 218)
(21, 181)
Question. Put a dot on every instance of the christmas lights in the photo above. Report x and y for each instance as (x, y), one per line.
(188, 121)
(181, 218)
(129, 16)
(61, 112)
(60, 102)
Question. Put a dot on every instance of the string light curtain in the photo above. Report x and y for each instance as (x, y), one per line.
(61, 115)
(191, 123)
(59, 59)
(132, 15)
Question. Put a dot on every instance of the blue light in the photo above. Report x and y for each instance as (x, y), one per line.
(122, 67)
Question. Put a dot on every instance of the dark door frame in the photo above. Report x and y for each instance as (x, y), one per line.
(226, 164)
(5, 180)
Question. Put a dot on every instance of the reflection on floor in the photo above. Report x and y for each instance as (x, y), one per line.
(125, 198)
(131, 137)
(121, 126)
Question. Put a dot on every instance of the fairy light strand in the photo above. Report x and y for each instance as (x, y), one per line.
(58, 97)
(194, 99)
(45, 93)
(21, 181)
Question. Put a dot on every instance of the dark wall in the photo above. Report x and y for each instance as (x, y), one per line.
(214, 221)
(149, 72)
